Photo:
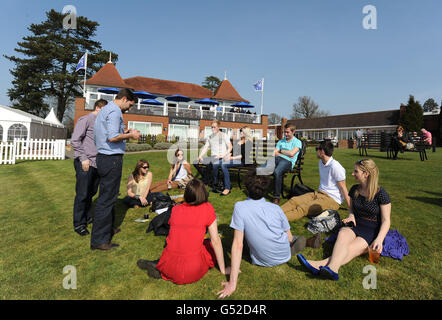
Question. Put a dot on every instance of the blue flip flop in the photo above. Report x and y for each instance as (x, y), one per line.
(308, 266)
(328, 273)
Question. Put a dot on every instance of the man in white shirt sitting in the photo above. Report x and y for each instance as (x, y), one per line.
(220, 148)
(332, 188)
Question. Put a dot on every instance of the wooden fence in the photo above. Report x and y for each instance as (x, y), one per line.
(34, 149)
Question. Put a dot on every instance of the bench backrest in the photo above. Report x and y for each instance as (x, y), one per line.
(262, 151)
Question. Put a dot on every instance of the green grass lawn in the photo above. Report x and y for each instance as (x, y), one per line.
(38, 241)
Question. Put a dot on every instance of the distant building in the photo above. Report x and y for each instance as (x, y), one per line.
(15, 123)
(186, 120)
(344, 126)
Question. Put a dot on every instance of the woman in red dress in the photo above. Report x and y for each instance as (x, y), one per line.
(187, 256)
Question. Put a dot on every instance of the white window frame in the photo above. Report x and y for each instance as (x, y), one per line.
(130, 125)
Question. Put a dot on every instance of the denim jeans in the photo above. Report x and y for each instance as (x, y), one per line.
(225, 165)
(278, 166)
(109, 170)
(86, 187)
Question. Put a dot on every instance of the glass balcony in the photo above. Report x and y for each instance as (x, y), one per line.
(183, 111)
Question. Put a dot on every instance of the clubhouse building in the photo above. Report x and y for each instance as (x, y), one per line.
(185, 120)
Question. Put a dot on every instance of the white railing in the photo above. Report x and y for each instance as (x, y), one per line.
(7, 153)
(33, 149)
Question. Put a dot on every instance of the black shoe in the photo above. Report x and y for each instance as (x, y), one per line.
(82, 232)
(90, 220)
(150, 266)
(214, 190)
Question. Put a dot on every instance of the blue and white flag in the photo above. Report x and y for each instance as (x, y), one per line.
(82, 63)
(258, 86)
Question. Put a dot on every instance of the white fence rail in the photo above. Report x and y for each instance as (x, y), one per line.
(34, 149)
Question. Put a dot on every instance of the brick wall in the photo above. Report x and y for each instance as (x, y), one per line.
(80, 104)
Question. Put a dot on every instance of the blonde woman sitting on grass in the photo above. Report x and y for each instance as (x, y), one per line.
(370, 213)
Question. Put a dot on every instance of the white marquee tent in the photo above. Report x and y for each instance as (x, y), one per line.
(16, 123)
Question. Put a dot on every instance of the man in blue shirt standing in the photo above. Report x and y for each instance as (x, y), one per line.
(285, 156)
(110, 136)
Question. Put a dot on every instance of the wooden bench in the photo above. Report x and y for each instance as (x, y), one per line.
(369, 141)
(418, 146)
(384, 142)
(259, 156)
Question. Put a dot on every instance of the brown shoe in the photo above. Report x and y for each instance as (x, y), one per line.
(106, 246)
(297, 245)
(314, 242)
(276, 201)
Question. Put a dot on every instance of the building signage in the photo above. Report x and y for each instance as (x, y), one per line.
(184, 121)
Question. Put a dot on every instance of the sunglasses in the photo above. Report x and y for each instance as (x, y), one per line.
(318, 148)
(145, 167)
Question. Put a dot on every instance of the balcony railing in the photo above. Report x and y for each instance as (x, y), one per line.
(193, 113)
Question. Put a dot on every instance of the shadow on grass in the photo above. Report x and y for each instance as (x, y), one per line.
(433, 193)
(435, 201)
(385, 158)
(120, 211)
(227, 240)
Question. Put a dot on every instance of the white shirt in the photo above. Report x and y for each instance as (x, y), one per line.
(331, 173)
(219, 143)
(182, 173)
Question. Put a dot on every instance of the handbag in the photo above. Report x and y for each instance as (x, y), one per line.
(327, 221)
(161, 201)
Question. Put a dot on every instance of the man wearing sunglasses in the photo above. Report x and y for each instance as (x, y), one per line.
(332, 188)
(110, 138)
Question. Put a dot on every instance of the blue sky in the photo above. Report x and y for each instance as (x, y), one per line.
(314, 48)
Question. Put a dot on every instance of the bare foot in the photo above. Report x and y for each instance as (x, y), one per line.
(315, 264)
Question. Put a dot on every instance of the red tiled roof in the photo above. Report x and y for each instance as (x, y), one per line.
(226, 91)
(108, 76)
(167, 87)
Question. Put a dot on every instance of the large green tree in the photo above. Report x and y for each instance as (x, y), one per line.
(211, 82)
(45, 69)
(430, 105)
(413, 117)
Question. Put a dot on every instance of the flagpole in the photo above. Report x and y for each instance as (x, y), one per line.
(262, 96)
(85, 71)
